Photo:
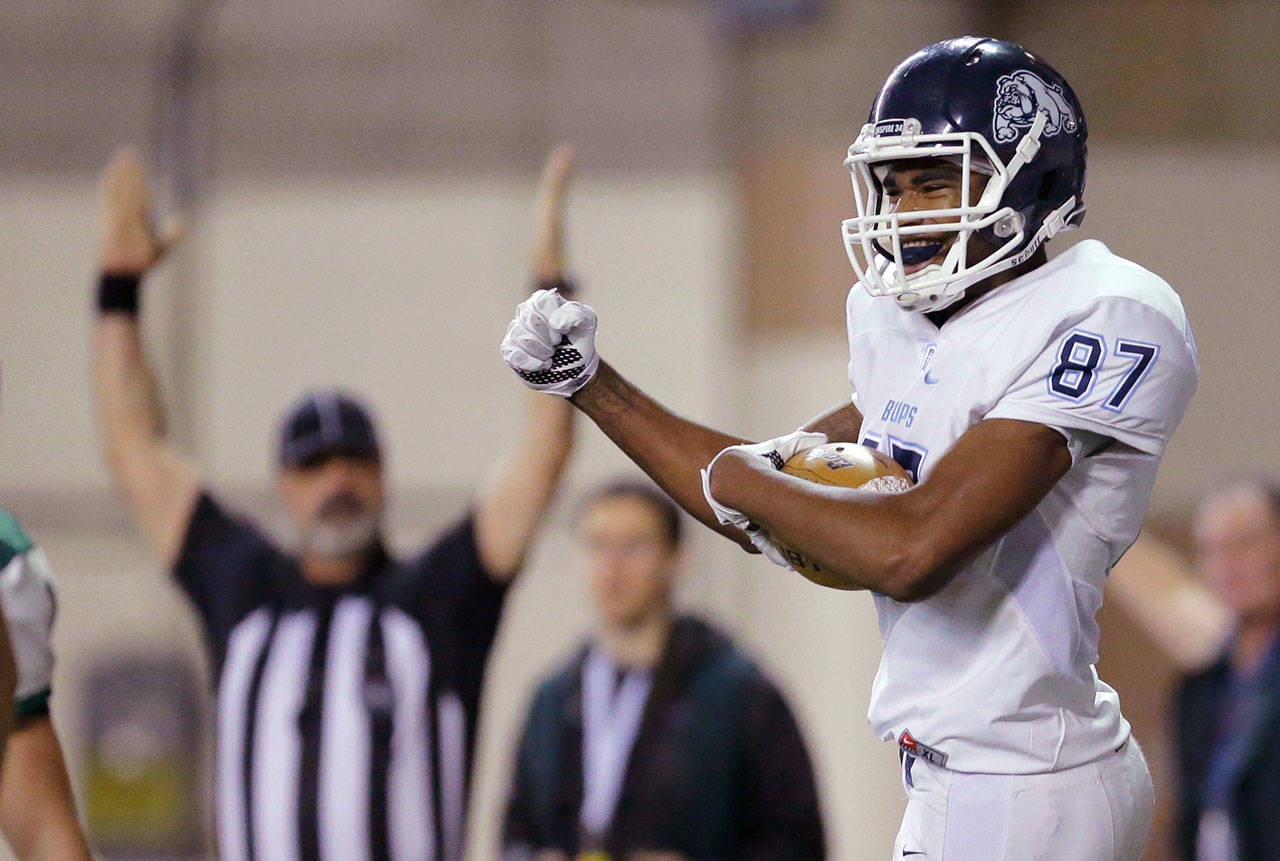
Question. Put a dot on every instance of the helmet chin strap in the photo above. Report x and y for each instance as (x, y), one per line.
(1055, 222)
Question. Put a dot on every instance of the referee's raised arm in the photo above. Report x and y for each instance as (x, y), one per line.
(517, 493)
(159, 486)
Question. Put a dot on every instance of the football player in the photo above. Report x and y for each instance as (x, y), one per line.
(1030, 398)
(37, 811)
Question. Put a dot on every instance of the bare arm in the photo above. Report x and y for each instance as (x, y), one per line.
(673, 450)
(8, 684)
(516, 495)
(518, 492)
(840, 424)
(669, 448)
(158, 485)
(1158, 589)
(548, 249)
(908, 545)
(37, 810)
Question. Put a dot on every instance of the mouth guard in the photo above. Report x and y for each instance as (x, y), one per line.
(913, 254)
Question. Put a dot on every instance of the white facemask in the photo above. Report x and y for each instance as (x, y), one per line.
(874, 238)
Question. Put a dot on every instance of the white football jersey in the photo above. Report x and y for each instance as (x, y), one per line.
(995, 673)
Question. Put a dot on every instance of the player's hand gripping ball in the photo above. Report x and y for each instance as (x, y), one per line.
(776, 451)
(841, 464)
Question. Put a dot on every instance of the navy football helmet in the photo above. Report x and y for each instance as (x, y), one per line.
(988, 106)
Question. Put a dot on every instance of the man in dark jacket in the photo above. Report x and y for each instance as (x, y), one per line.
(1229, 714)
(659, 739)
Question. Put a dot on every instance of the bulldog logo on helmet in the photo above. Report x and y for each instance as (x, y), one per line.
(1019, 96)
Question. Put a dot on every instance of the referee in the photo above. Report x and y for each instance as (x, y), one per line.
(348, 682)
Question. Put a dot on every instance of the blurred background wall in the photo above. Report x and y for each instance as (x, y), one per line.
(357, 185)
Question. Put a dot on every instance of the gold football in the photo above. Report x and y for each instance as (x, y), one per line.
(841, 464)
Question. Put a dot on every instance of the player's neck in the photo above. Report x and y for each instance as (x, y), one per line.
(1253, 641)
(638, 645)
(982, 288)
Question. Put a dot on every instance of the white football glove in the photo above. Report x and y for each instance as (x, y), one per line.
(551, 344)
(777, 451)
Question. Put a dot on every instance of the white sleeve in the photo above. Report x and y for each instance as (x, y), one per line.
(1081, 443)
(1120, 368)
(27, 594)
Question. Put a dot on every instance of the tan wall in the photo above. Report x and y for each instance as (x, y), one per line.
(382, 246)
(349, 268)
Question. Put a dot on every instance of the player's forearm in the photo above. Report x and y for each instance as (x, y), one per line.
(670, 449)
(37, 808)
(518, 494)
(906, 545)
(58, 837)
(856, 538)
(8, 682)
(62, 841)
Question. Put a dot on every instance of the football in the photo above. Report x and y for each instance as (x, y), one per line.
(841, 464)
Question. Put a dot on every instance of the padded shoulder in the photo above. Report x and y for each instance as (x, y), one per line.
(1089, 273)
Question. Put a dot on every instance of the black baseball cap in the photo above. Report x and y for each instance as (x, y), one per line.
(327, 422)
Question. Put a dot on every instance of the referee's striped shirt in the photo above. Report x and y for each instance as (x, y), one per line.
(346, 719)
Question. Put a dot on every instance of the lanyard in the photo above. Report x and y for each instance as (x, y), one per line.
(610, 722)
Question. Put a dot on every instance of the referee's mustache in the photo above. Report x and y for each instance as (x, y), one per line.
(342, 505)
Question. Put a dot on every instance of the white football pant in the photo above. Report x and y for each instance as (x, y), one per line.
(1095, 812)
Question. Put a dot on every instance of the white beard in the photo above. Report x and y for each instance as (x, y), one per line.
(339, 537)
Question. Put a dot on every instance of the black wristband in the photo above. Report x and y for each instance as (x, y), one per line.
(118, 294)
(565, 286)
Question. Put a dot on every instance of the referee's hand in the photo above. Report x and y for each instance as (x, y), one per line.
(131, 242)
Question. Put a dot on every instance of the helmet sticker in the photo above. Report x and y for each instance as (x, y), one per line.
(1020, 96)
